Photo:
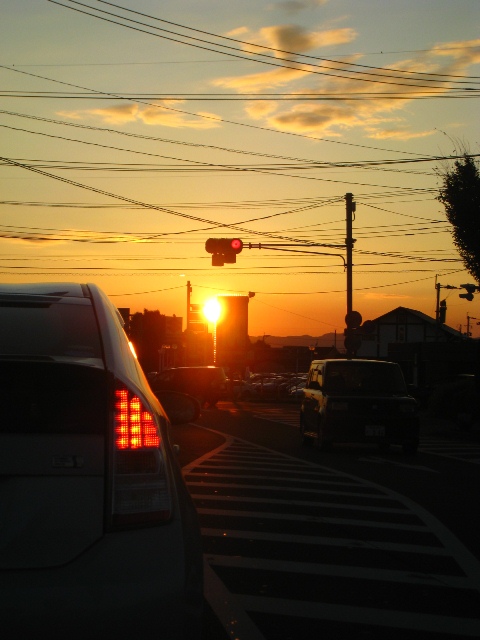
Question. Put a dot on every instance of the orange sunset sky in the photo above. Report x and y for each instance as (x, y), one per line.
(132, 132)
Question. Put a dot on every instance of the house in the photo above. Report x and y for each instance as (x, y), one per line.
(429, 352)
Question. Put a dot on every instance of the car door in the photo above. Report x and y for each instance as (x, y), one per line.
(311, 397)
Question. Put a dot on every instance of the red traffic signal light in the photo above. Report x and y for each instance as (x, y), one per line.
(236, 245)
(223, 250)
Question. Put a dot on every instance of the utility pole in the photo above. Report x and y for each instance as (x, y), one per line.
(189, 292)
(469, 335)
(349, 242)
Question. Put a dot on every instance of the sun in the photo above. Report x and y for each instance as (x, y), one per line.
(212, 310)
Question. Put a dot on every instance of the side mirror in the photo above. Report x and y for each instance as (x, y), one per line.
(179, 407)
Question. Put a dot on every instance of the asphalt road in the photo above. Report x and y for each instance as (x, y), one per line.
(350, 542)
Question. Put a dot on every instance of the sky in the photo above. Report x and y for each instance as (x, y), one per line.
(133, 132)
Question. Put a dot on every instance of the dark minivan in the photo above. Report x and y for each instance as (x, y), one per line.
(206, 383)
(360, 401)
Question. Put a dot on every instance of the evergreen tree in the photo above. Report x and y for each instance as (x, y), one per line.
(460, 195)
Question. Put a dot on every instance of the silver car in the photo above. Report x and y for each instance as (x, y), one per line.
(98, 534)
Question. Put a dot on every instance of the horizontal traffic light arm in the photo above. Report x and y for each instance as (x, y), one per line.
(225, 250)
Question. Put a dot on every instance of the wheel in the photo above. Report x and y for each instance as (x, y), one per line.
(410, 448)
(305, 440)
(322, 443)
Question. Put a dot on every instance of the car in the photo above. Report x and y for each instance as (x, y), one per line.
(242, 390)
(296, 391)
(99, 535)
(358, 401)
(206, 383)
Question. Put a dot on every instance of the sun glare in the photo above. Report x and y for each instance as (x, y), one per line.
(211, 310)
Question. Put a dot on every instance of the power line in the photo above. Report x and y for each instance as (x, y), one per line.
(264, 58)
(248, 97)
(216, 119)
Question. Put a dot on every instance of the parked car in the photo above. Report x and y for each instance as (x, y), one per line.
(358, 401)
(206, 383)
(242, 390)
(98, 535)
(296, 391)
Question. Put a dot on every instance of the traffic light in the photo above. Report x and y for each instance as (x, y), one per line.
(223, 250)
(471, 289)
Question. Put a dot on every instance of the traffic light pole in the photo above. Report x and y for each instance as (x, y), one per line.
(224, 250)
(349, 242)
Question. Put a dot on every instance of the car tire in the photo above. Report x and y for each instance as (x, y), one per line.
(305, 440)
(322, 443)
(410, 448)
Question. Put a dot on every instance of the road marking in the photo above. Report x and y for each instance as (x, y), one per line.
(379, 460)
(366, 616)
(230, 485)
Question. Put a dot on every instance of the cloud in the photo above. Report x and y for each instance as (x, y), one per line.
(119, 114)
(293, 38)
(283, 39)
(164, 113)
(340, 82)
(296, 6)
(401, 133)
(170, 116)
(385, 296)
(260, 109)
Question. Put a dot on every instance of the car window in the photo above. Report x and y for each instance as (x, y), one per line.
(51, 328)
(315, 377)
(364, 377)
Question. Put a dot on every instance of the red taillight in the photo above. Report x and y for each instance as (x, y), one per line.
(141, 492)
(134, 426)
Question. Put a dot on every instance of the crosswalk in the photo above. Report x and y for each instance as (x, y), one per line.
(455, 450)
(444, 447)
(293, 548)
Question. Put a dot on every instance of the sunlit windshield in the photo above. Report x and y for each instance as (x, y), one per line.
(364, 377)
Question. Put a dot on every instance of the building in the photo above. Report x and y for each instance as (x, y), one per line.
(429, 352)
(402, 326)
(232, 342)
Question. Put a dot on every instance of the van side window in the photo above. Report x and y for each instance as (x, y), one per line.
(313, 379)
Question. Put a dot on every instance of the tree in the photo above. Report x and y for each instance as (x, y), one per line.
(460, 195)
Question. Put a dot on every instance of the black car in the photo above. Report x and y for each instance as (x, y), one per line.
(206, 383)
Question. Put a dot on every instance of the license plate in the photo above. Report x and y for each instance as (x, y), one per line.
(374, 430)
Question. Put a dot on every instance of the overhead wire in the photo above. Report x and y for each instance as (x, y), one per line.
(264, 58)
(275, 50)
(217, 119)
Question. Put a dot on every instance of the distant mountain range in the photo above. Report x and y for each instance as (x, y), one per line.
(327, 340)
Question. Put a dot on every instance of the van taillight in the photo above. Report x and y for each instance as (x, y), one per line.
(141, 493)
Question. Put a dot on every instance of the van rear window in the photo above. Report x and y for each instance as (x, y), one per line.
(364, 377)
(42, 327)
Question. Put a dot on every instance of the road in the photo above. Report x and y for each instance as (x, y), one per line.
(350, 543)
